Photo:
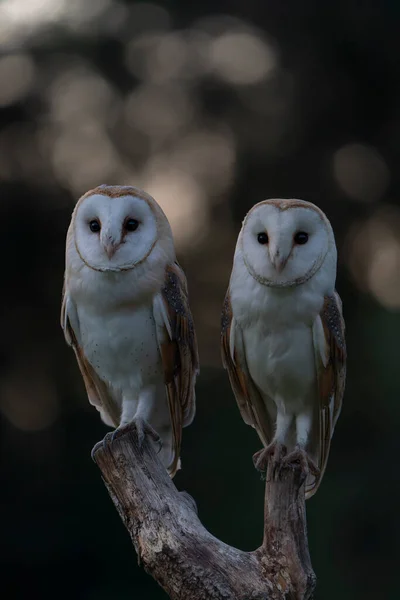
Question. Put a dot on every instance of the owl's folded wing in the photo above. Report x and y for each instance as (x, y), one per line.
(253, 408)
(178, 347)
(330, 352)
(97, 390)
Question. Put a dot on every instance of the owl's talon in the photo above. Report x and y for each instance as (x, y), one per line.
(95, 448)
(143, 428)
(299, 457)
(108, 438)
(119, 431)
(260, 460)
(272, 454)
(114, 434)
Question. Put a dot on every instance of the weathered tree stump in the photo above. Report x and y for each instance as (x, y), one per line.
(181, 555)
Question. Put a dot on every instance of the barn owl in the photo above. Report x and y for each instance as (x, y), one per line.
(126, 314)
(283, 333)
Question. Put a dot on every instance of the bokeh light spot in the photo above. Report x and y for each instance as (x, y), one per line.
(183, 201)
(29, 400)
(146, 16)
(241, 58)
(157, 57)
(361, 172)
(32, 12)
(17, 73)
(79, 93)
(158, 111)
(374, 256)
(209, 156)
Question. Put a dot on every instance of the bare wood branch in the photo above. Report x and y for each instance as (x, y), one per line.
(181, 555)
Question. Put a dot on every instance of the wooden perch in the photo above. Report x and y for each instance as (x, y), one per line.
(181, 555)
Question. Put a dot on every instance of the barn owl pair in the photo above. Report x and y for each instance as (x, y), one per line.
(126, 314)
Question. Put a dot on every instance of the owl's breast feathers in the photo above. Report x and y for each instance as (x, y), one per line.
(158, 339)
(308, 361)
(178, 346)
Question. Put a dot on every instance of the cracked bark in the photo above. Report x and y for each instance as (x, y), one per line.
(182, 556)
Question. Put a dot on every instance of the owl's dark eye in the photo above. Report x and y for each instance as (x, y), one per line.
(262, 238)
(301, 238)
(95, 226)
(131, 225)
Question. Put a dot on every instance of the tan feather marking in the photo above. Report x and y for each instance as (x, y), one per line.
(96, 388)
(331, 381)
(118, 191)
(228, 356)
(179, 356)
(250, 402)
(286, 203)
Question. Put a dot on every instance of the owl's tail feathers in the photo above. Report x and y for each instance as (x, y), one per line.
(167, 454)
(174, 468)
(318, 448)
(312, 484)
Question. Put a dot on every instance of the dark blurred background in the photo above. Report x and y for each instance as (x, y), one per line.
(211, 107)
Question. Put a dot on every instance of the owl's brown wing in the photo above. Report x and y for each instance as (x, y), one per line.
(178, 347)
(330, 353)
(97, 390)
(255, 410)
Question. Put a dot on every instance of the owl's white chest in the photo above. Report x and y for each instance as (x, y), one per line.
(122, 346)
(281, 363)
(278, 338)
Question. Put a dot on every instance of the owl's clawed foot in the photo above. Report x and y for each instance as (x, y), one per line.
(108, 438)
(271, 455)
(299, 457)
(141, 428)
(144, 428)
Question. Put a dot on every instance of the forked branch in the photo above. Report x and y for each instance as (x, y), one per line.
(182, 556)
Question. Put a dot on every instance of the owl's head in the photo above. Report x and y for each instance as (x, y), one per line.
(285, 242)
(116, 228)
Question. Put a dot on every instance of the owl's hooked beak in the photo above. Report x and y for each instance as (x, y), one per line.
(278, 260)
(110, 246)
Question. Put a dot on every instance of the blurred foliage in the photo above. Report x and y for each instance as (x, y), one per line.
(211, 107)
